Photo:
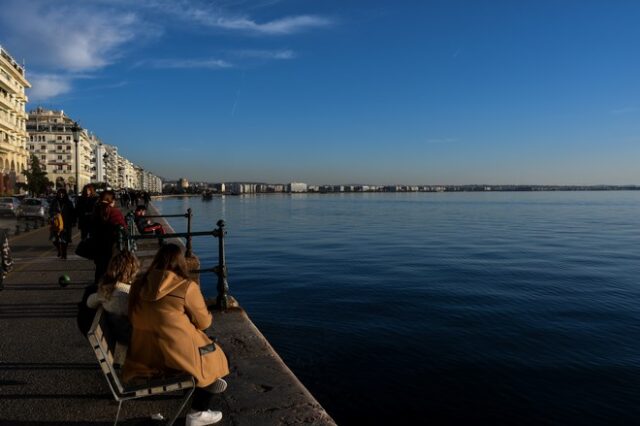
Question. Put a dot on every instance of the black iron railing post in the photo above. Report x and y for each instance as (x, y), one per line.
(189, 252)
(221, 269)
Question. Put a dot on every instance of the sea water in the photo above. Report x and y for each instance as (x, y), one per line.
(442, 308)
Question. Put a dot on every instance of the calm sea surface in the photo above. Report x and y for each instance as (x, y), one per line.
(474, 308)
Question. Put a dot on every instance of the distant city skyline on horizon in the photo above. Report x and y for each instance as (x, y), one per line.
(452, 92)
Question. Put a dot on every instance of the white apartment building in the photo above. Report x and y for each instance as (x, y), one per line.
(51, 140)
(297, 187)
(110, 164)
(13, 131)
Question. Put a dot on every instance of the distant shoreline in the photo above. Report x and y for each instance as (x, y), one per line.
(430, 189)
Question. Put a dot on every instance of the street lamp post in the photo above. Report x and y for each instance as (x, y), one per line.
(76, 139)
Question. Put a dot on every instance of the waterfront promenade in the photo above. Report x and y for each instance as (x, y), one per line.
(49, 375)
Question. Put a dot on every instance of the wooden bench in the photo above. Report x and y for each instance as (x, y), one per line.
(103, 342)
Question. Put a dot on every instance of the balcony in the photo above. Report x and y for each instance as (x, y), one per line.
(5, 100)
(8, 124)
(7, 84)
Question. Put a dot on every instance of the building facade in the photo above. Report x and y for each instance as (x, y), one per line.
(13, 117)
(51, 140)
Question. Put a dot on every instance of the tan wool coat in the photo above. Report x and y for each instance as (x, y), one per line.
(167, 332)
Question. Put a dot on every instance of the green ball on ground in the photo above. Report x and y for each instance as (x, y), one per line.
(64, 280)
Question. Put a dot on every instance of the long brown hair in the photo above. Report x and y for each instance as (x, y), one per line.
(103, 207)
(122, 267)
(168, 258)
(88, 190)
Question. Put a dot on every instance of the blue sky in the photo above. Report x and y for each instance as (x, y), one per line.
(381, 92)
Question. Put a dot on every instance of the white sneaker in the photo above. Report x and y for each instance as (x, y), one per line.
(202, 418)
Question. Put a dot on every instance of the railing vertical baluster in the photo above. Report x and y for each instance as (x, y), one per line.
(189, 251)
(221, 269)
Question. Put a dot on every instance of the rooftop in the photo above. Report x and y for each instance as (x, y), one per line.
(5, 54)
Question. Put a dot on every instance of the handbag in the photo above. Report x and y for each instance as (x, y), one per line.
(87, 248)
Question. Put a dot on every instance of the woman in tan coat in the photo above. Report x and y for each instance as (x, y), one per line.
(168, 313)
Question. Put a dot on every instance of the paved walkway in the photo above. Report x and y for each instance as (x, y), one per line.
(49, 375)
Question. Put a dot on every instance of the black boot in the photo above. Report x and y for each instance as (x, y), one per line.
(63, 250)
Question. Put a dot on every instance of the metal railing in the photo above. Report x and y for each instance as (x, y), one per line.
(128, 242)
(29, 223)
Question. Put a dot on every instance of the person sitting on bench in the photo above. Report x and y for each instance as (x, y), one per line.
(168, 314)
(144, 225)
(113, 293)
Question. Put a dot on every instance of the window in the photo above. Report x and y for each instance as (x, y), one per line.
(43, 157)
(31, 147)
(69, 168)
(68, 138)
(59, 166)
(59, 138)
(59, 157)
(68, 157)
(68, 147)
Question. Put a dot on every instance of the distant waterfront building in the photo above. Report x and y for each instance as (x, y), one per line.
(183, 183)
(13, 131)
(51, 140)
(297, 187)
(110, 162)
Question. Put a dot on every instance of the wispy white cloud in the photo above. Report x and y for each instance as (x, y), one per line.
(69, 40)
(287, 25)
(47, 86)
(187, 63)
(266, 54)
(230, 15)
(71, 37)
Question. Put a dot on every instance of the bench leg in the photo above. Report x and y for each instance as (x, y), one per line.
(118, 413)
(184, 403)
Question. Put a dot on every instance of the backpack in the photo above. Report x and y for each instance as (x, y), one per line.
(57, 224)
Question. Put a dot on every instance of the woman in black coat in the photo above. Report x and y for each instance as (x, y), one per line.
(62, 237)
(84, 209)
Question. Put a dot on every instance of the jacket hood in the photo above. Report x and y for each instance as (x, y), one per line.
(159, 284)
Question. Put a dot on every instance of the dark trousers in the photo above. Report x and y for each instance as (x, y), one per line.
(102, 262)
(201, 399)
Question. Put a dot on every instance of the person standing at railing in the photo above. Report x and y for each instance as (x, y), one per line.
(168, 315)
(105, 225)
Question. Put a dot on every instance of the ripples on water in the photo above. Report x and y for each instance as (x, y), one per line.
(501, 308)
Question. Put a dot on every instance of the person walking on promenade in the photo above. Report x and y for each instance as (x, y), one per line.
(63, 217)
(124, 199)
(168, 315)
(84, 209)
(7, 260)
(105, 226)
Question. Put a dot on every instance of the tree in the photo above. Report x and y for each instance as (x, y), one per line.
(37, 181)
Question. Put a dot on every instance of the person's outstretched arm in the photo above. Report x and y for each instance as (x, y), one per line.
(196, 307)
